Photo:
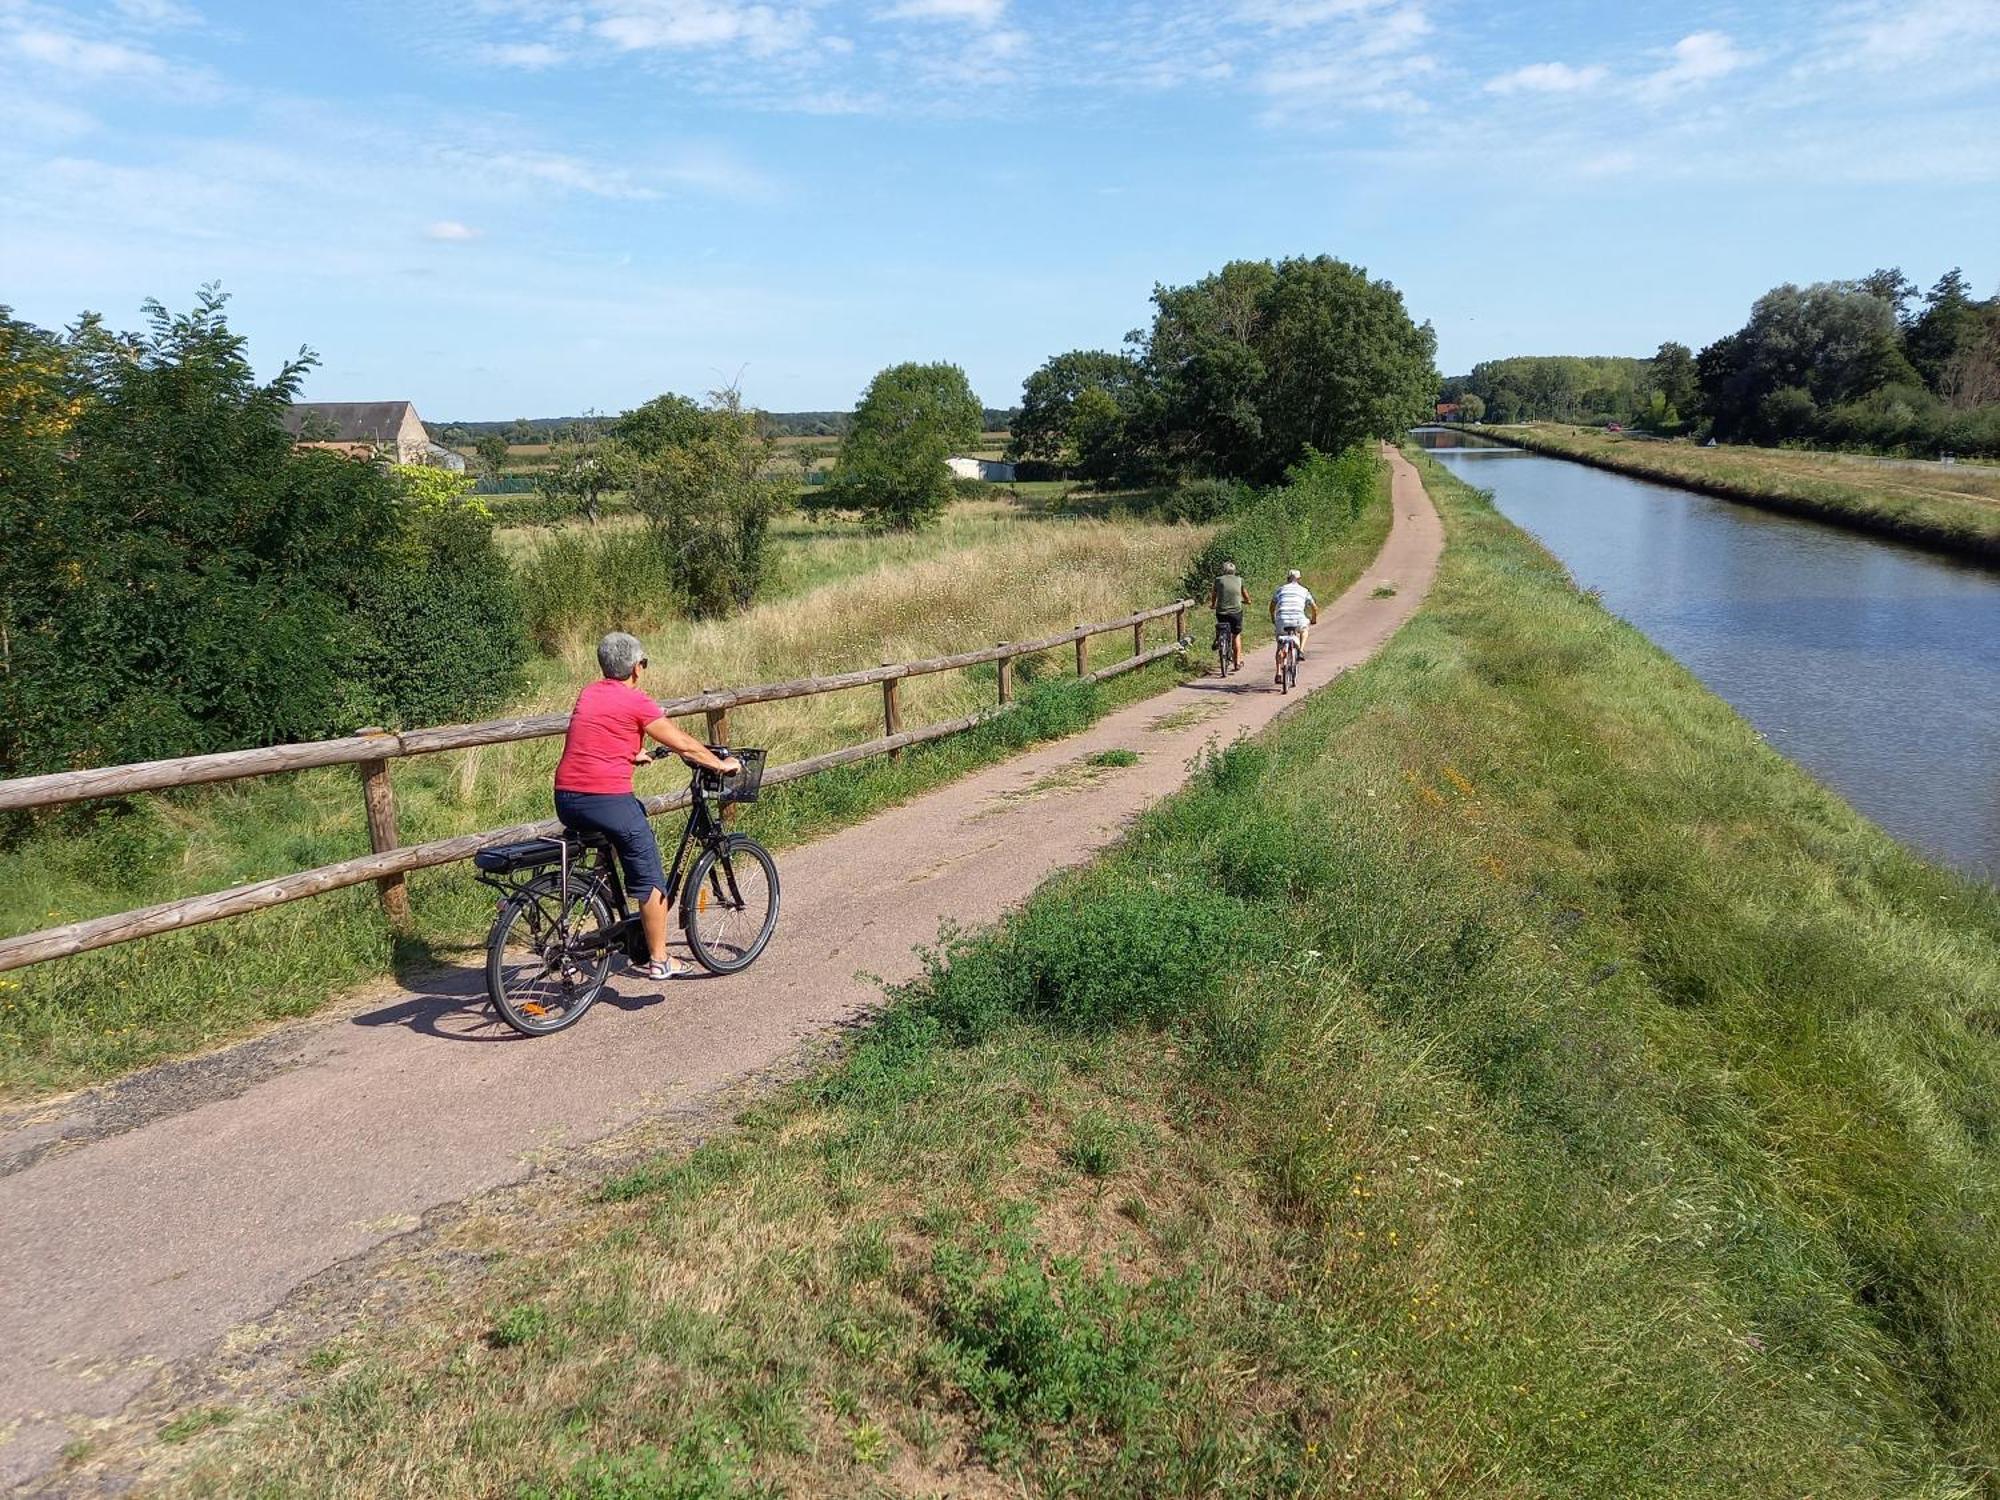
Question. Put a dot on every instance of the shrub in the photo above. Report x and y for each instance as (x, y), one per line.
(444, 637)
(710, 504)
(1269, 531)
(578, 584)
(1203, 500)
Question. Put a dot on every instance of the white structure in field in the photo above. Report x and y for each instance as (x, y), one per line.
(979, 468)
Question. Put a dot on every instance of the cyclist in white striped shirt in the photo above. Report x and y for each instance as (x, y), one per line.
(1292, 609)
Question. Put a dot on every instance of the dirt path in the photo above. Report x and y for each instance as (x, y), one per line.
(141, 1223)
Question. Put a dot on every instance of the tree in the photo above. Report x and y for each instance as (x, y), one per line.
(707, 496)
(579, 475)
(492, 451)
(1891, 286)
(1835, 341)
(668, 421)
(1674, 376)
(1045, 429)
(1470, 407)
(179, 576)
(1949, 323)
(892, 461)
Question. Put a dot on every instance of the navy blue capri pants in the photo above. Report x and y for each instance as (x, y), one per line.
(621, 819)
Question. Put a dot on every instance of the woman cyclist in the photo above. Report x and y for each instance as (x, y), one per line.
(606, 739)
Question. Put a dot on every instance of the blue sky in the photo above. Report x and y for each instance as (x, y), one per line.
(533, 207)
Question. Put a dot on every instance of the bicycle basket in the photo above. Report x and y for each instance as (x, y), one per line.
(739, 786)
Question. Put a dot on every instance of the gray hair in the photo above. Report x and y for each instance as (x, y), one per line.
(618, 653)
(1229, 567)
(1292, 576)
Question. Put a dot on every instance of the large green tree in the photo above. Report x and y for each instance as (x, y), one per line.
(1834, 342)
(1249, 367)
(1344, 362)
(892, 461)
(1046, 426)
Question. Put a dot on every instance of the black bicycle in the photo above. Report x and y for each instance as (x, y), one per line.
(1288, 660)
(1225, 647)
(564, 916)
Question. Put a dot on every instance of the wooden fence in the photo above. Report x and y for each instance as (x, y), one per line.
(371, 752)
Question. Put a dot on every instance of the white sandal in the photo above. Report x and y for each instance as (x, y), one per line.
(658, 969)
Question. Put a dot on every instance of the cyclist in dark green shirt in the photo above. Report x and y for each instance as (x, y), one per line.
(1225, 597)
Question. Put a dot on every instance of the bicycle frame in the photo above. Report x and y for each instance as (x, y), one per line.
(702, 830)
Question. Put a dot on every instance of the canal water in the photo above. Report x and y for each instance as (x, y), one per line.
(1874, 665)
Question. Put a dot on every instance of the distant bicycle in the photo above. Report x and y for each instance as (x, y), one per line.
(1288, 660)
(564, 915)
(1225, 648)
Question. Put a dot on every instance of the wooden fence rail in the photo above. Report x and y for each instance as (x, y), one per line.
(372, 750)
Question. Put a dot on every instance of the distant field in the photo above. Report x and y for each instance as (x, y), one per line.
(1953, 506)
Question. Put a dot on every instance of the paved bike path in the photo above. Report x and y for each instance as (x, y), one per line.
(140, 1223)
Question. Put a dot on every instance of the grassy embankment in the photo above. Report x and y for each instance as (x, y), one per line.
(1510, 1078)
(843, 599)
(1956, 508)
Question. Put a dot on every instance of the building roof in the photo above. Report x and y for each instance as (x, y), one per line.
(351, 421)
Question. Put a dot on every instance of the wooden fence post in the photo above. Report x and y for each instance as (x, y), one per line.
(1006, 676)
(379, 797)
(1138, 637)
(892, 710)
(1082, 651)
(1180, 623)
(718, 734)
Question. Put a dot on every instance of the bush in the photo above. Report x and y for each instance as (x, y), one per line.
(1200, 501)
(1270, 531)
(709, 503)
(444, 637)
(579, 584)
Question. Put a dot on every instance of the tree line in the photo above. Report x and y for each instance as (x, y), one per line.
(181, 576)
(1868, 363)
(1239, 376)
(594, 425)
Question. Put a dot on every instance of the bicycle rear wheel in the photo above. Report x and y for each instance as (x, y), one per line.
(536, 978)
(729, 907)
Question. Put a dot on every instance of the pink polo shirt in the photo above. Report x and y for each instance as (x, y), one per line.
(603, 736)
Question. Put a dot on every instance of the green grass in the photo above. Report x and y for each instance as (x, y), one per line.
(1956, 509)
(986, 574)
(1507, 1077)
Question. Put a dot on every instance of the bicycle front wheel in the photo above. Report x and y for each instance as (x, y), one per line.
(730, 905)
(535, 975)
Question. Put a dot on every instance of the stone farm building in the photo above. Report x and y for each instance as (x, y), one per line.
(364, 429)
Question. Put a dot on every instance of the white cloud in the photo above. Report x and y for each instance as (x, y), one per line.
(450, 231)
(83, 57)
(1696, 59)
(979, 12)
(529, 55)
(1547, 78)
(158, 13)
(673, 25)
(1912, 31)
(1369, 63)
(1291, 15)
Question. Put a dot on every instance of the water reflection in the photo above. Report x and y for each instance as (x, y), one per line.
(1874, 665)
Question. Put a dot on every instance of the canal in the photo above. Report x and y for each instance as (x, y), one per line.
(1873, 665)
